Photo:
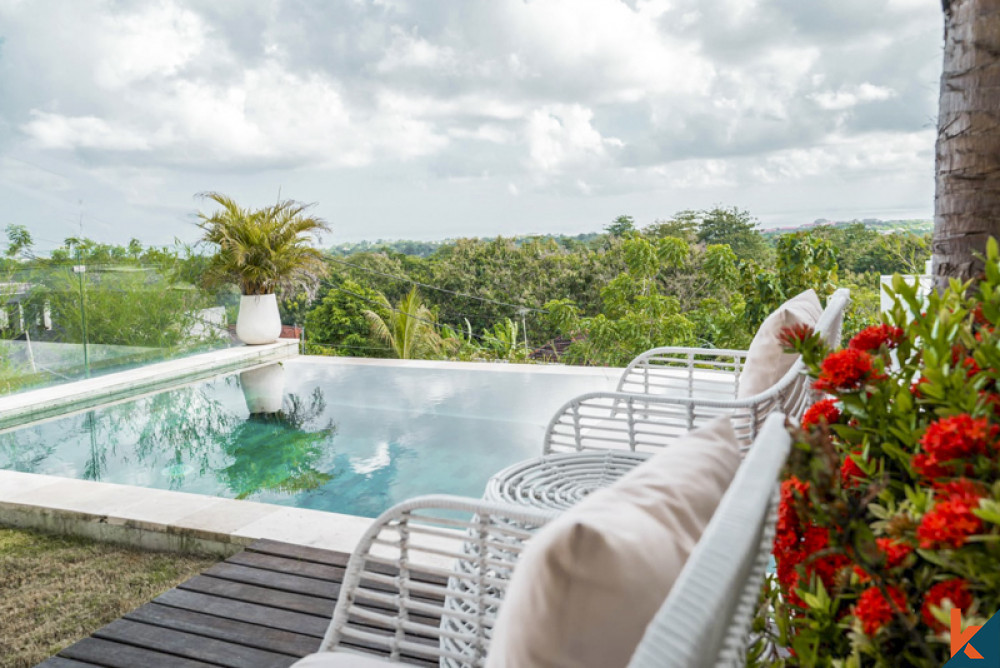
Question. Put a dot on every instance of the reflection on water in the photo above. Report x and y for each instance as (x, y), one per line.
(312, 434)
(276, 452)
(182, 437)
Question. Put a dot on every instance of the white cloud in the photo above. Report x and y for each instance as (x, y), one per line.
(561, 136)
(559, 98)
(409, 51)
(55, 131)
(846, 98)
(156, 41)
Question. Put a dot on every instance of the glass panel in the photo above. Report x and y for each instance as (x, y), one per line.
(65, 320)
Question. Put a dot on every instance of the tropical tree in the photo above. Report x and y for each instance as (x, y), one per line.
(621, 226)
(967, 198)
(735, 227)
(265, 250)
(19, 242)
(409, 329)
(127, 307)
(504, 341)
(337, 324)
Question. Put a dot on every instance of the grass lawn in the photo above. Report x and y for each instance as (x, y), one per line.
(55, 590)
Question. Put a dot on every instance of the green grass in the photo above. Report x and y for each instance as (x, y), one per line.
(55, 590)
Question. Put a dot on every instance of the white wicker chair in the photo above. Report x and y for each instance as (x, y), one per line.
(664, 393)
(401, 577)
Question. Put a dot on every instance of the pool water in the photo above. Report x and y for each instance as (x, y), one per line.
(312, 432)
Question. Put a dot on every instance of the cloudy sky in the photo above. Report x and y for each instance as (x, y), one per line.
(430, 119)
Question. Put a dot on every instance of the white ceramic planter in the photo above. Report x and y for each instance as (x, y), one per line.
(264, 388)
(258, 321)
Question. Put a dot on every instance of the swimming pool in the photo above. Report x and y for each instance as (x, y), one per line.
(330, 434)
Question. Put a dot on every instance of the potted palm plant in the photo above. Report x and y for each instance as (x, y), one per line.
(264, 251)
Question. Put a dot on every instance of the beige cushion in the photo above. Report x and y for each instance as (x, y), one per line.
(766, 360)
(590, 581)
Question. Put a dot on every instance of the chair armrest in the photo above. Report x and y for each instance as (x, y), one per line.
(685, 372)
(648, 422)
(427, 577)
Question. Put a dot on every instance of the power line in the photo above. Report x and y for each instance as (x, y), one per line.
(434, 287)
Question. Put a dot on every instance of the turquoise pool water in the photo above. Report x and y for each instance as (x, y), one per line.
(327, 435)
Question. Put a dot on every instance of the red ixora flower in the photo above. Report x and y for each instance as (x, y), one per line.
(915, 387)
(950, 443)
(956, 590)
(960, 357)
(895, 551)
(874, 337)
(822, 411)
(951, 521)
(793, 334)
(875, 611)
(845, 370)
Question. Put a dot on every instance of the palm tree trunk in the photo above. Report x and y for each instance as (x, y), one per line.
(967, 198)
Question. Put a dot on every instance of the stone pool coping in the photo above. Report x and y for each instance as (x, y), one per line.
(157, 519)
(24, 407)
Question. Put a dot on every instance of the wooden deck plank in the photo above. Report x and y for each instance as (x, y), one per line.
(188, 645)
(241, 611)
(300, 552)
(60, 662)
(261, 608)
(252, 635)
(273, 598)
(114, 655)
(284, 565)
(274, 580)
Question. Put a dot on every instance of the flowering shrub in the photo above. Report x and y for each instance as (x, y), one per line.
(890, 508)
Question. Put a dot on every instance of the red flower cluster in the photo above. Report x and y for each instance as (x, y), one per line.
(956, 590)
(797, 542)
(874, 611)
(951, 521)
(874, 337)
(845, 370)
(960, 356)
(821, 411)
(950, 443)
(850, 472)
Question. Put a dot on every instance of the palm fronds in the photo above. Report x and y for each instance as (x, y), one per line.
(263, 250)
(408, 329)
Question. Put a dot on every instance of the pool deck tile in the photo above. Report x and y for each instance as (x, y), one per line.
(225, 515)
(83, 506)
(313, 528)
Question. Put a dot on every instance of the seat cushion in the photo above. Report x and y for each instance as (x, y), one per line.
(342, 660)
(767, 362)
(590, 581)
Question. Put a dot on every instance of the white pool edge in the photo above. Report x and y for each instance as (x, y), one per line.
(164, 520)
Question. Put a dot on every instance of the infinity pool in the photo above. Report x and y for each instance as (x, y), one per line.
(346, 436)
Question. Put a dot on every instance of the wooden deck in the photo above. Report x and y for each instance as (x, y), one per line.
(264, 607)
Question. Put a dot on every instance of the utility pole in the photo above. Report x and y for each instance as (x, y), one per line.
(524, 326)
(80, 269)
